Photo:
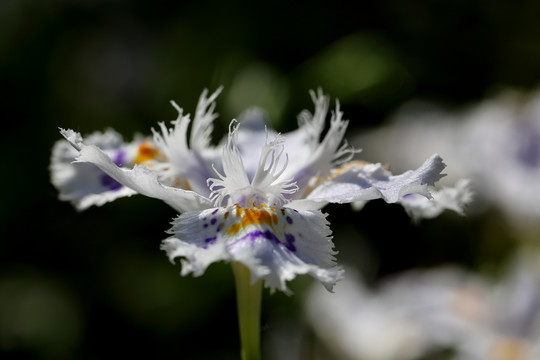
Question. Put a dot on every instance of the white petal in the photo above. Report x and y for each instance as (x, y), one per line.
(302, 143)
(306, 155)
(447, 198)
(252, 133)
(313, 124)
(276, 244)
(357, 181)
(85, 185)
(329, 152)
(232, 183)
(189, 161)
(203, 121)
(141, 180)
(267, 177)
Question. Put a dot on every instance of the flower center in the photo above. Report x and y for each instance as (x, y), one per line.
(245, 224)
(252, 216)
(147, 151)
(234, 186)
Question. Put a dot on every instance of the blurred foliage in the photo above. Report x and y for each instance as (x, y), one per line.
(95, 284)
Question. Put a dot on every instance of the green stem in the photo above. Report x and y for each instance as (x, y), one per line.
(248, 298)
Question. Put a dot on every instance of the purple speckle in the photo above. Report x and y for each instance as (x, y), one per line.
(289, 240)
(289, 220)
(215, 211)
(269, 235)
(529, 146)
(205, 226)
(109, 182)
(213, 221)
(210, 241)
(256, 234)
(119, 158)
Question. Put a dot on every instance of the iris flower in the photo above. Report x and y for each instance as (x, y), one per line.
(255, 199)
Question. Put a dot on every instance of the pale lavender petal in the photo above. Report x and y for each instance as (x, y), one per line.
(85, 185)
(447, 198)
(143, 181)
(357, 181)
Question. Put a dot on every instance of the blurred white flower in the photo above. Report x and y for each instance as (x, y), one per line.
(422, 312)
(358, 323)
(479, 318)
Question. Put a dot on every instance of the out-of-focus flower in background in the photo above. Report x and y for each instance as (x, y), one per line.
(422, 313)
(478, 316)
(357, 323)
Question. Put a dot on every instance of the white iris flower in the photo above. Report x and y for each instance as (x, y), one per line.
(254, 199)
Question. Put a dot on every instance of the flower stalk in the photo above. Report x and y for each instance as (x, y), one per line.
(249, 311)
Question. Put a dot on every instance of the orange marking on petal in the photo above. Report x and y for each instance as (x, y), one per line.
(146, 152)
(239, 211)
(253, 216)
(234, 229)
(226, 215)
(344, 168)
(182, 183)
(334, 173)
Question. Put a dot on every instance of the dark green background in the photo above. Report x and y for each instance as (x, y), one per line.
(94, 285)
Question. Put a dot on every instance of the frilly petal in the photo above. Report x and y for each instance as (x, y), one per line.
(253, 131)
(447, 198)
(321, 156)
(276, 244)
(85, 185)
(139, 179)
(356, 181)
